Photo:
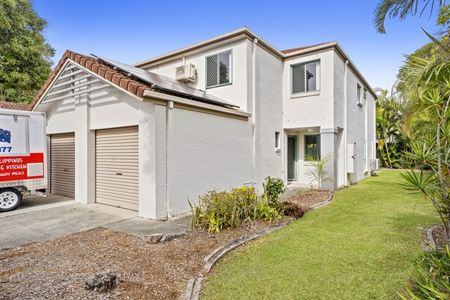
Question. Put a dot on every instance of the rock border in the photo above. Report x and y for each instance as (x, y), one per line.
(430, 243)
(323, 203)
(195, 284)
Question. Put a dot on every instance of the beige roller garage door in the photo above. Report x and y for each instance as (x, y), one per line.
(117, 167)
(62, 164)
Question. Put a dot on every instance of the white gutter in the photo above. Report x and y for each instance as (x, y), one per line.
(346, 124)
(180, 100)
(255, 41)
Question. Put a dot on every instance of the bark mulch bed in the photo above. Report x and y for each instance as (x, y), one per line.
(58, 269)
(307, 199)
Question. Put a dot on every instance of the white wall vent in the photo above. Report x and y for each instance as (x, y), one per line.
(186, 73)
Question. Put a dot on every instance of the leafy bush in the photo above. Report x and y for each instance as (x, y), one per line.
(291, 210)
(432, 277)
(273, 188)
(265, 212)
(221, 209)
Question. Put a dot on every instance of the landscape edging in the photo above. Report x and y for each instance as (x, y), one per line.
(194, 285)
(323, 203)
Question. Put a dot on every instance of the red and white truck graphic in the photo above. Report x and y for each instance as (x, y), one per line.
(23, 156)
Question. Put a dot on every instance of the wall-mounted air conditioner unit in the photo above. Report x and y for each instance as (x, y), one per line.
(186, 73)
(375, 164)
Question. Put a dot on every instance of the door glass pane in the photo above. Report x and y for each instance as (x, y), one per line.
(292, 158)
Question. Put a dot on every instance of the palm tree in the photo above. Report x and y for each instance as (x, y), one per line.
(403, 8)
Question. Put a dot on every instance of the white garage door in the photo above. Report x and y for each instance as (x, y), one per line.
(117, 167)
(62, 164)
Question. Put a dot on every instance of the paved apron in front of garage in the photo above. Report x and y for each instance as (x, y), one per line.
(33, 226)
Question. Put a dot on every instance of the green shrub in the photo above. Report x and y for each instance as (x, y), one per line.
(220, 209)
(273, 188)
(265, 212)
(432, 277)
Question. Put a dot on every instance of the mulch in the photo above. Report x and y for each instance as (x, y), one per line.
(307, 199)
(58, 269)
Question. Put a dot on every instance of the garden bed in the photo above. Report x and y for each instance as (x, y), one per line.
(309, 199)
(59, 268)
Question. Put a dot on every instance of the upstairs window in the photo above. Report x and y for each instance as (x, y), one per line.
(358, 94)
(312, 147)
(277, 140)
(218, 69)
(305, 77)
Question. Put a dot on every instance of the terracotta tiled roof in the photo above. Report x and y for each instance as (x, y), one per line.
(14, 105)
(287, 51)
(133, 86)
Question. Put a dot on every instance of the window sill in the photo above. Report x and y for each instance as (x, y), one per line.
(219, 85)
(310, 163)
(305, 94)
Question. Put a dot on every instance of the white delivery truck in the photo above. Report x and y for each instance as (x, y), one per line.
(23, 156)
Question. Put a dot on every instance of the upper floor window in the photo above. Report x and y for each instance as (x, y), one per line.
(358, 94)
(365, 94)
(305, 77)
(218, 69)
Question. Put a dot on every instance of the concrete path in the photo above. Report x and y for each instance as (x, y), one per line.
(143, 227)
(52, 220)
(55, 222)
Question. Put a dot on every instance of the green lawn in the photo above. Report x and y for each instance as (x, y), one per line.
(361, 246)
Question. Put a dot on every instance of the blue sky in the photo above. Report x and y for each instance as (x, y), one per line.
(131, 31)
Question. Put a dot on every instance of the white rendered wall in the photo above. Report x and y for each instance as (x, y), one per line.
(236, 92)
(206, 152)
(310, 109)
(360, 130)
(268, 115)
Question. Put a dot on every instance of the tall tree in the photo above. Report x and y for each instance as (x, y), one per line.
(403, 8)
(24, 53)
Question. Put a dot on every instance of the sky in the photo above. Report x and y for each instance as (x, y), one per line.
(131, 31)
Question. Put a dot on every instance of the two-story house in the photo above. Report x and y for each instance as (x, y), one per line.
(218, 114)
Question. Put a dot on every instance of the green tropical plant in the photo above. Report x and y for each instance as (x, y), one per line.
(403, 8)
(432, 277)
(430, 151)
(392, 140)
(24, 54)
(318, 171)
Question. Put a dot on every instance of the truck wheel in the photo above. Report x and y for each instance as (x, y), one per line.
(10, 199)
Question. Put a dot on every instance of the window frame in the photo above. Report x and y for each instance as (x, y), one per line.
(230, 73)
(304, 148)
(318, 79)
(359, 94)
(277, 140)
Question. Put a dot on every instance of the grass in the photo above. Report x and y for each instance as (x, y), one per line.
(361, 246)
